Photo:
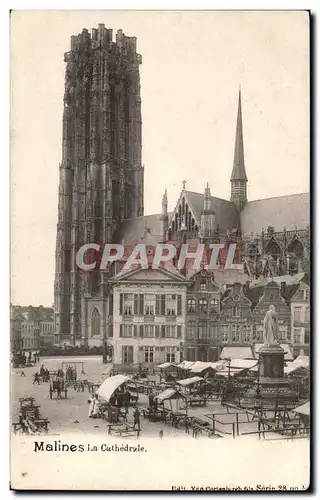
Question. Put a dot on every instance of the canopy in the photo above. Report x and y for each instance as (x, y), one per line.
(236, 353)
(244, 364)
(110, 385)
(232, 371)
(303, 409)
(189, 381)
(200, 366)
(302, 361)
(293, 366)
(186, 365)
(168, 394)
(163, 366)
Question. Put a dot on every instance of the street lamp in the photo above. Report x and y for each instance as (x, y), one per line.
(258, 379)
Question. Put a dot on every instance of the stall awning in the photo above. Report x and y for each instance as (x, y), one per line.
(236, 353)
(302, 361)
(168, 394)
(303, 409)
(292, 367)
(110, 385)
(245, 364)
(163, 366)
(186, 365)
(189, 381)
(233, 371)
(200, 366)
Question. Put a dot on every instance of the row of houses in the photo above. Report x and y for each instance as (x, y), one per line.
(155, 316)
(31, 327)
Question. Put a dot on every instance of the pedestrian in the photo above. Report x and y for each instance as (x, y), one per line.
(36, 378)
(136, 419)
(95, 407)
(161, 434)
(22, 373)
(90, 410)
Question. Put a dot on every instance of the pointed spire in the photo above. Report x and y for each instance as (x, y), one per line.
(239, 170)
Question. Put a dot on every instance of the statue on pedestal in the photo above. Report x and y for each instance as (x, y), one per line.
(270, 327)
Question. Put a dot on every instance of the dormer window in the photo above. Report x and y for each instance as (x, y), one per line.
(203, 287)
(236, 312)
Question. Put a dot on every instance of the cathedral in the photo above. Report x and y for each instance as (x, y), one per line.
(101, 200)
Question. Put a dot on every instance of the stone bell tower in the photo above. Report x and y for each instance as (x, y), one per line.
(101, 173)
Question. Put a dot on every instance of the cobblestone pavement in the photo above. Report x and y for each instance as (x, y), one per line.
(71, 414)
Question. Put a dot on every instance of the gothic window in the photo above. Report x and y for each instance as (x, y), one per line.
(306, 336)
(236, 312)
(297, 335)
(202, 330)
(296, 247)
(213, 331)
(224, 333)
(191, 328)
(95, 322)
(282, 333)
(191, 305)
(235, 333)
(307, 314)
(258, 333)
(214, 306)
(247, 332)
(297, 313)
(273, 249)
(203, 305)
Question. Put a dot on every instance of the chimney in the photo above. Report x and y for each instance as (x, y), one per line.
(282, 288)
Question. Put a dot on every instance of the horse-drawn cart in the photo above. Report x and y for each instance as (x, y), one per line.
(58, 387)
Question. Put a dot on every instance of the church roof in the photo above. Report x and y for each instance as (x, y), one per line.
(145, 229)
(227, 216)
(290, 212)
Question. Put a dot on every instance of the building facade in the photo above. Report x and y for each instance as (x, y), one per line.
(101, 200)
(16, 320)
(149, 317)
(33, 327)
(300, 320)
(203, 313)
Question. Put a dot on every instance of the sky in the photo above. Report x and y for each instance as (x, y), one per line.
(193, 65)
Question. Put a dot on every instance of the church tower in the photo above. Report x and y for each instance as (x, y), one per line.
(207, 218)
(239, 177)
(101, 174)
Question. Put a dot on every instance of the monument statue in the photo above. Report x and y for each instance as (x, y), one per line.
(270, 327)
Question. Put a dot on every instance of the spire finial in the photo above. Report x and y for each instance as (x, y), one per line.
(184, 182)
(239, 170)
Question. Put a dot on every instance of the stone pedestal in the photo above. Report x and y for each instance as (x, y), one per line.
(271, 384)
(270, 387)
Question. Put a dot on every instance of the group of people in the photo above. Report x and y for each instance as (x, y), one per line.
(25, 359)
(94, 407)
